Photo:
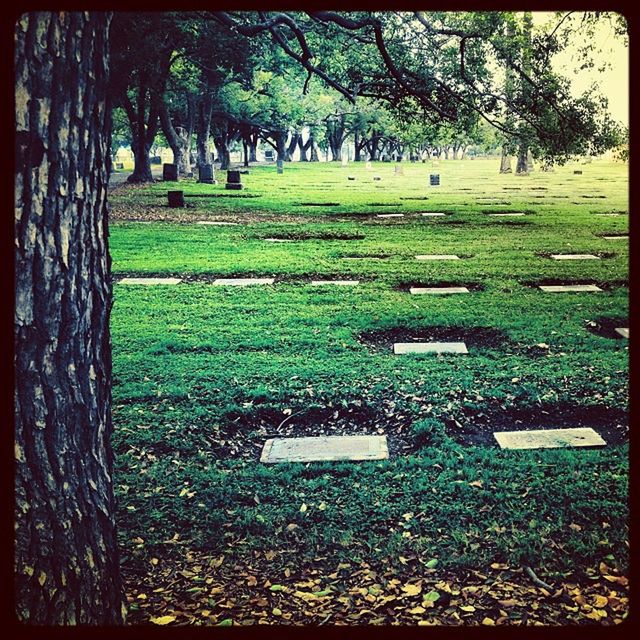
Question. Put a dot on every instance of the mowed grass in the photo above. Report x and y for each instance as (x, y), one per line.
(204, 374)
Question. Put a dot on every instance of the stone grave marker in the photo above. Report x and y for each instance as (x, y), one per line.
(377, 178)
(242, 282)
(574, 256)
(345, 161)
(206, 174)
(432, 214)
(325, 449)
(351, 177)
(367, 165)
(398, 170)
(278, 240)
(559, 288)
(119, 165)
(623, 331)
(549, 438)
(508, 213)
(170, 172)
(340, 283)
(429, 347)
(578, 172)
(233, 180)
(150, 280)
(175, 199)
(390, 215)
(623, 237)
(217, 223)
(438, 257)
(434, 179)
(437, 290)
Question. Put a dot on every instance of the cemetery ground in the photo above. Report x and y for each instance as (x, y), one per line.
(450, 529)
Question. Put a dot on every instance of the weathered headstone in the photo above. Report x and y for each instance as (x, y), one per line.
(549, 438)
(560, 288)
(345, 161)
(437, 290)
(170, 172)
(351, 177)
(280, 166)
(578, 172)
(434, 179)
(119, 165)
(574, 256)
(398, 170)
(206, 174)
(623, 331)
(367, 165)
(150, 280)
(156, 160)
(429, 347)
(438, 257)
(233, 181)
(176, 199)
(242, 282)
(377, 178)
(325, 449)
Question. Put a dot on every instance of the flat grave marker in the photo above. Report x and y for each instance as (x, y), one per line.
(217, 223)
(437, 290)
(278, 240)
(438, 257)
(150, 280)
(242, 282)
(574, 256)
(623, 331)
(390, 215)
(432, 214)
(549, 438)
(340, 283)
(325, 449)
(505, 214)
(622, 237)
(559, 288)
(429, 347)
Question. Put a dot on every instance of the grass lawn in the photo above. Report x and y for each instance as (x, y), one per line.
(204, 374)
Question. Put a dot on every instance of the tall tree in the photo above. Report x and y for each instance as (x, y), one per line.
(66, 556)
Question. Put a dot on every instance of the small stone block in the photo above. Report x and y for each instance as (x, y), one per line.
(377, 178)
(616, 237)
(438, 257)
(341, 283)
(390, 215)
(278, 240)
(150, 280)
(559, 288)
(429, 347)
(437, 290)
(507, 214)
(242, 282)
(578, 172)
(432, 214)
(549, 438)
(217, 223)
(175, 199)
(170, 172)
(351, 177)
(236, 186)
(574, 256)
(325, 449)
(623, 331)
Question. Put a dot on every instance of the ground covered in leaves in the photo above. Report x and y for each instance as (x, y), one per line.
(189, 588)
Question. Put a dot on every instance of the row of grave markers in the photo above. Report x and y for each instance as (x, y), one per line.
(362, 448)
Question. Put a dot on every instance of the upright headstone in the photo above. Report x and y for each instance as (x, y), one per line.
(377, 178)
(233, 180)
(345, 161)
(206, 174)
(119, 165)
(156, 160)
(280, 166)
(434, 179)
(176, 199)
(398, 171)
(578, 172)
(367, 165)
(170, 172)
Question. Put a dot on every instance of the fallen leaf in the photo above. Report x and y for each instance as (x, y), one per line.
(412, 589)
(416, 610)
(432, 563)
(162, 620)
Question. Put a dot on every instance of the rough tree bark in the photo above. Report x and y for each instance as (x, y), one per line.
(203, 129)
(179, 138)
(66, 556)
(293, 143)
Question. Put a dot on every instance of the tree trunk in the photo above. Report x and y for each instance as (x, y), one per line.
(172, 137)
(505, 162)
(223, 152)
(203, 129)
(357, 147)
(521, 166)
(295, 136)
(253, 147)
(314, 150)
(66, 555)
(303, 148)
(142, 133)
(280, 138)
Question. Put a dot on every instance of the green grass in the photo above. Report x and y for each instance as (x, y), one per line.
(197, 364)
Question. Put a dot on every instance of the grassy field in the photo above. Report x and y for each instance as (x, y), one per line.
(204, 374)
